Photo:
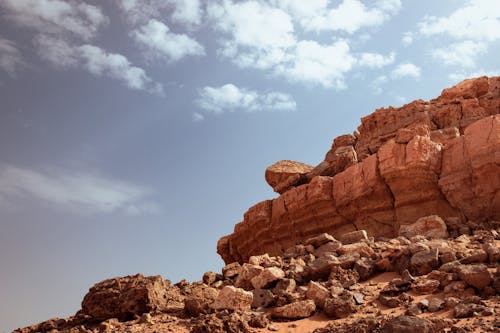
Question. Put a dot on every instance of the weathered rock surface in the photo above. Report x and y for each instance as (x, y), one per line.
(283, 175)
(131, 295)
(425, 158)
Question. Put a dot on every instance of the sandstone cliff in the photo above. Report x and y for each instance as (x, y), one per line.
(439, 157)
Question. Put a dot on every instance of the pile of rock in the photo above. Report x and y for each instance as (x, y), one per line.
(322, 275)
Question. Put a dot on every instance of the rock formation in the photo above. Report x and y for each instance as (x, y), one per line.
(397, 230)
(440, 157)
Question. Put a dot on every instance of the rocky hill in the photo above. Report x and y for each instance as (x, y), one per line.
(397, 230)
(438, 157)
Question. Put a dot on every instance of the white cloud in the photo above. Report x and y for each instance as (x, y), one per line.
(56, 16)
(320, 64)
(406, 70)
(478, 20)
(10, 57)
(349, 16)
(78, 192)
(163, 43)
(407, 38)
(261, 36)
(96, 61)
(375, 60)
(460, 54)
(231, 98)
(187, 12)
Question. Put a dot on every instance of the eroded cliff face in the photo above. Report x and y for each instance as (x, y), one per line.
(440, 157)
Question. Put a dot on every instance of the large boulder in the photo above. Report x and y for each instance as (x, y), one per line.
(283, 175)
(130, 296)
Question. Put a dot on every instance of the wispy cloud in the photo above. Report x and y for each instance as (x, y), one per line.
(228, 98)
(375, 60)
(96, 61)
(460, 54)
(77, 192)
(406, 70)
(163, 43)
(261, 35)
(349, 16)
(186, 12)
(10, 57)
(56, 16)
(476, 20)
(472, 29)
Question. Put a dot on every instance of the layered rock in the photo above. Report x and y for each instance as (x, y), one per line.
(440, 157)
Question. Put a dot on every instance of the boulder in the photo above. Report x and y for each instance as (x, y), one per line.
(232, 298)
(283, 175)
(130, 296)
(267, 278)
(428, 226)
(477, 276)
(296, 310)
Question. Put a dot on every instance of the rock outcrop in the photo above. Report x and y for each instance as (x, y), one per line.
(440, 157)
(364, 286)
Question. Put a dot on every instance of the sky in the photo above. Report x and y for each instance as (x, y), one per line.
(135, 133)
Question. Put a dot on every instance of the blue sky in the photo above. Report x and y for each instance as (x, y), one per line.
(135, 133)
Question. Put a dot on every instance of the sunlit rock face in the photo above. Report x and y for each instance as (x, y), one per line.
(438, 157)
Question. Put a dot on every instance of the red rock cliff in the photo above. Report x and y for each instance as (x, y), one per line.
(439, 157)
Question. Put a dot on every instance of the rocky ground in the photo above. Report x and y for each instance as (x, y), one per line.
(428, 279)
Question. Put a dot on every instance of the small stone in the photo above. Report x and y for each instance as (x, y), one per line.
(231, 270)
(435, 304)
(319, 240)
(429, 226)
(273, 328)
(408, 324)
(426, 286)
(339, 307)
(359, 298)
(296, 310)
(365, 268)
(354, 237)
(267, 277)
(477, 276)
(478, 256)
(247, 273)
(361, 248)
(209, 277)
(317, 293)
(424, 262)
(328, 248)
(263, 298)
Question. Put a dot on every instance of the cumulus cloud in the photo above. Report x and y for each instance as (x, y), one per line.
(316, 63)
(78, 192)
(349, 16)
(461, 54)
(473, 26)
(477, 20)
(231, 98)
(406, 70)
(375, 60)
(96, 61)
(56, 16)
(187, 12)
(10, 57)
(163, 43)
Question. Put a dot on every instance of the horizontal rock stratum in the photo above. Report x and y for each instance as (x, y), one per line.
(440, 157)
